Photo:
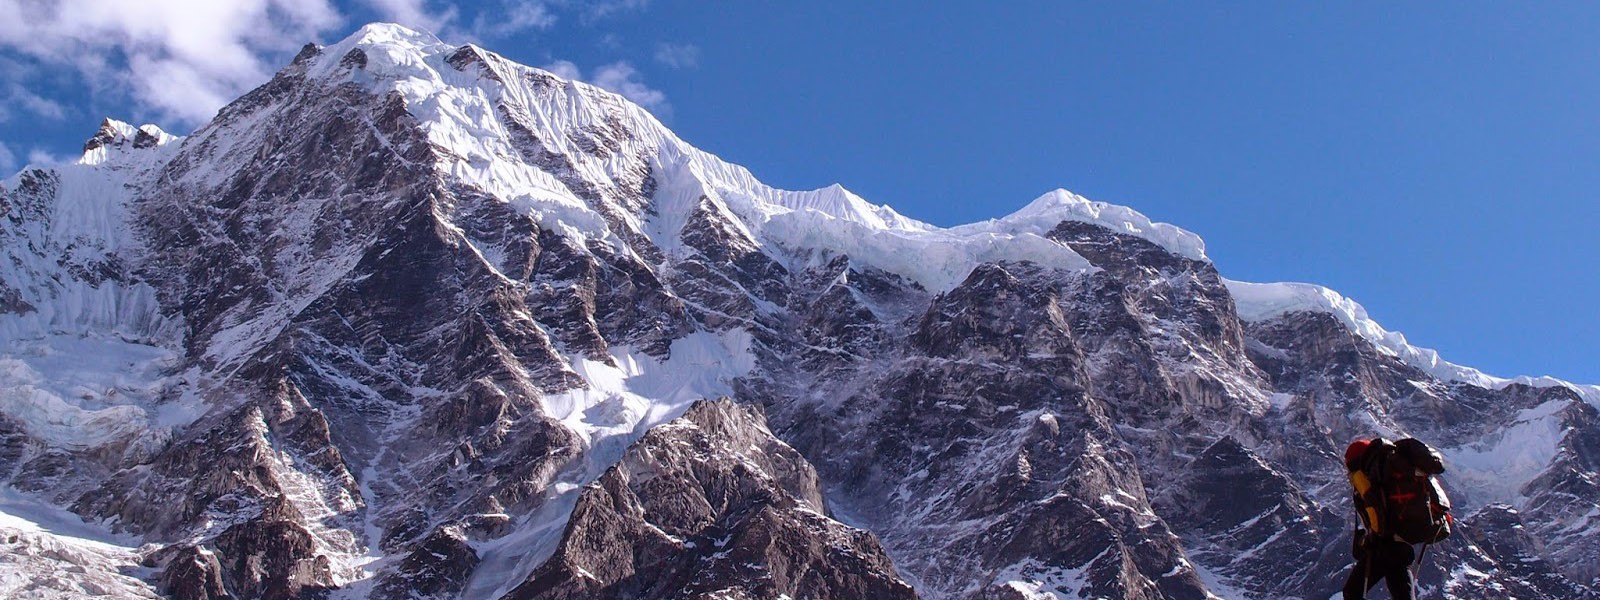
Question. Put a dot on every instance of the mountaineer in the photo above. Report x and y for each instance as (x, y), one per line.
(1400, 504)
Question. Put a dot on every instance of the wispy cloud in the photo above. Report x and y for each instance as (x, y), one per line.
(609, 41)
(622, 78)
(513, 17)
(414, 13)
(619, 77)
(180, 59)
(36, 158)
(34, 103)
(565, 70)
(678, 56)
(8, 161)
(42, 158)
(17, 100)
(599, 9)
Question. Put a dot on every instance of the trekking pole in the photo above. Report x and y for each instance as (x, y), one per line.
(1416, 567)
(1366, 560)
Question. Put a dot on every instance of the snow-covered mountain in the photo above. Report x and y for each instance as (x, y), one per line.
(414, 321)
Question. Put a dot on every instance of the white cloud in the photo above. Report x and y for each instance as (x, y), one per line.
(17, 100)
(619, 77)
(605, 8)
(622, 78)
(41, 158)
(565, 70)
(34, 103)
(414, 14)
(591, 10)
(513, 17)
(180, 59)
(8, 161)
(678, 56)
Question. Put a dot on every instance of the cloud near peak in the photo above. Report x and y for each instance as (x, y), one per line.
(620, 78)
(182, 60)
(179, 61)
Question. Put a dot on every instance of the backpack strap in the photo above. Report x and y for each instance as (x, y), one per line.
(1366, 462)
(1365, 494)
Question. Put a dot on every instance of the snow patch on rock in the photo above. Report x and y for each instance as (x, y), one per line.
(1495, 471)
(640, 392)
(619, 405)
(1034, 581)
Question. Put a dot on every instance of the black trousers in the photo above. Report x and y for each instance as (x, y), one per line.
(1383, 559)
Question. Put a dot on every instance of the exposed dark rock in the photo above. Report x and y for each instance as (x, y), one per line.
(1250, 517)
(1164, 285)
(108, 135)
(1499, 531)
(711, 505)
(355, 59)
(728, 277)
(189, 573)
(306, 53)
(437, 568)
(272, 556)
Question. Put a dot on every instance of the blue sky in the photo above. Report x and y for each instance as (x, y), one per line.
(1438, 164)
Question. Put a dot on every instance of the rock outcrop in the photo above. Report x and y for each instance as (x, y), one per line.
(711, 505)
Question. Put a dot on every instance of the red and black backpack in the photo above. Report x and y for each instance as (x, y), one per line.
(1397, 490)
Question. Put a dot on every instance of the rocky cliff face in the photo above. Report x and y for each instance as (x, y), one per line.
(414, 321)
(711, 505)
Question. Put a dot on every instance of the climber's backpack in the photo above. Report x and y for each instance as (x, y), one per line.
(1397, 491)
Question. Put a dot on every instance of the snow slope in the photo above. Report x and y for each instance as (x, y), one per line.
(89, 362)
(50, 554)
(86, 364)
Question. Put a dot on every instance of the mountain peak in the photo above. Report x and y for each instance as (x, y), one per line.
(390, 33)
(1058, 205)
(840, 203)
(115, 134)
(382, 51)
